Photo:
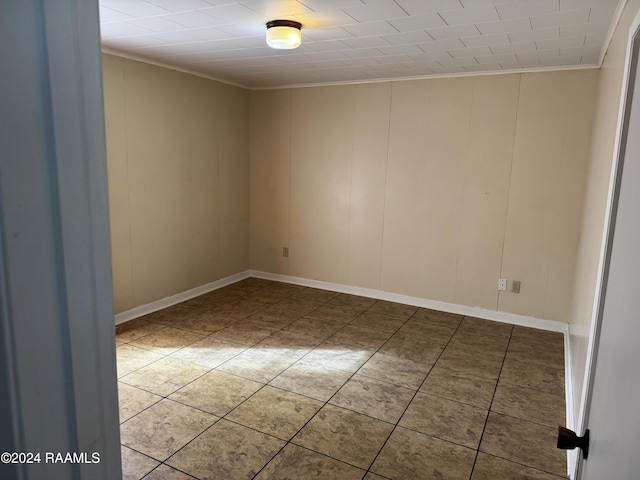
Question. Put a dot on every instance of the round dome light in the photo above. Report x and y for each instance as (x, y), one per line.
(284, 34)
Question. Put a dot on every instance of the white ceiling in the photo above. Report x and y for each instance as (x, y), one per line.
(358, 40)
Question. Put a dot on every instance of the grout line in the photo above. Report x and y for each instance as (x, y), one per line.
(490, 405)
(329, 399)
(397, 424)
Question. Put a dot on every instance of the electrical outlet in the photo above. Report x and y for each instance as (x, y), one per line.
(515, 286)
(502, 284)
(285, 251)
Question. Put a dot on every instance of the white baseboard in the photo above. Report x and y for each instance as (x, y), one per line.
(178, 298)
(477, 312)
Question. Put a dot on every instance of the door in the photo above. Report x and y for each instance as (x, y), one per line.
(613, 410)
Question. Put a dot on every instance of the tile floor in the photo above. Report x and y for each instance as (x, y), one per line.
(268, 380)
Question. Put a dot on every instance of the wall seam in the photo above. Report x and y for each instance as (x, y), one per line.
(386, 179)
(288, 261)
(218, 266)
(506, 213)
(464, 191)
(126, 156)
(353, 141)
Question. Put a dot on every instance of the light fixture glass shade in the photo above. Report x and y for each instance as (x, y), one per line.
(284, 34)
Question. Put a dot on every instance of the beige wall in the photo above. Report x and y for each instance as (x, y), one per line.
(178, 165)
(432, 188)
(594, 206)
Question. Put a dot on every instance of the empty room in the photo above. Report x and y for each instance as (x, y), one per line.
(341, 239)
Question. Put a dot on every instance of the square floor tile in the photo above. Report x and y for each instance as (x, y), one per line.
(480, 343)
(316, 295)
(216, 392)
(164, 472)
(461, 387)
(410, 455)
(276, 412)
(288, 288)
(345, 435)
(392, 308)
(427, 331)
(379, 321)
(164, 428)
(237, 309)
(337, 356)
(267, 296)
(275, 319)
(296, 463)
(226, 451)
(209, 352)
(407, 345)
(531, 375)
(355, 302)
(524, 442)
(289, 343)
(133, 400)
(374, 398)
(315, 381)
(130, 358)
(355, 336)
(296, 306)
(128, 331)
(164, 376)
(399, 371)
(244, 332)
(254, 283)
(547, 355)
(436, 317)
(527, 404)
(230, 292)
(489, 328)
(537, 337)
(335, 313)
(136, 465)
(472, 363)
(318, 328)
(488, 467)
(203, 303)
(167, 340)
(260, 365)
(445, 419)
(171, 315)
(205, 323)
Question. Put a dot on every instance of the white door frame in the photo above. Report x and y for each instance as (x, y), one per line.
(596, 318)
(58, 387)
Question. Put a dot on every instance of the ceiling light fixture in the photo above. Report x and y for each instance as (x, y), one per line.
(284, 34)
